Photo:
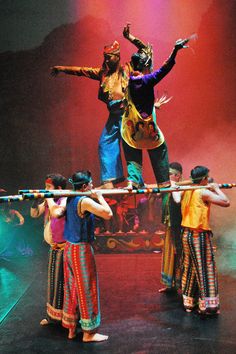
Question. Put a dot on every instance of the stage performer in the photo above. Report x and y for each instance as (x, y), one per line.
(53, 234)
(139, 129)
(199, 279)
(113, 80)
(81, 298)
(11, 238)
(171, 266)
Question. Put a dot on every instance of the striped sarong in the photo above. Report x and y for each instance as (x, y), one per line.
(81, 293)
(199, 279)
(55, 290)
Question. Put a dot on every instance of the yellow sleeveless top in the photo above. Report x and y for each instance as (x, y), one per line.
(195, 212)
(138, 132)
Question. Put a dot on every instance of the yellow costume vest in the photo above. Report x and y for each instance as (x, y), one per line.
(195, 212)
(138, 132)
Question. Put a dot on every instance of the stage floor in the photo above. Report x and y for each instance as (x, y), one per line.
(135, 316)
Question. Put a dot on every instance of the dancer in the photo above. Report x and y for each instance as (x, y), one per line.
(81, 298)
(53, 234)
(139, 129)
(113, 80)
(11, 238)
(172, 249)
(199, 279)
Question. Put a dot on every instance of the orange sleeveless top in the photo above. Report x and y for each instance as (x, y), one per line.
(195, 212)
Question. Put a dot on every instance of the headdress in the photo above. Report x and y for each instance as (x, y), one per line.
(113, 48)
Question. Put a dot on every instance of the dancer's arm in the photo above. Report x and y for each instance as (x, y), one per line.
(57, 210)
(215, 196)
(134, 40)
(91, 73)
(100, 209)
(158, 75)
(37, 208)
(18, 214)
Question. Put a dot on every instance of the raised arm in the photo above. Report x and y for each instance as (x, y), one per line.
(56, 210)
(179, 44)
(91, 73)
(100, 209)
(136, 41)
(157, 75)
(215, 196)
(20, 217)
(37, 208)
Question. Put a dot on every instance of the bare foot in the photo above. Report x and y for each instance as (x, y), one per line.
(44, 322)
(167, 290)
(94, 337)
(129, 186)
(72, 333)
(163, 290)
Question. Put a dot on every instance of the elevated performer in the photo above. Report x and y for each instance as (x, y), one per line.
(113, 80)
(139, 129)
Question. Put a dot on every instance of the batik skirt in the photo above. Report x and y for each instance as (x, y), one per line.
(81, 293)
(55, 291)
(199, 279)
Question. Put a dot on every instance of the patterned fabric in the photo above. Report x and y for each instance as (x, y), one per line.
(113, 48)
(199, 279)
(55, 291)
(141, 96)
(137, 132)
(81, 297)
(109, 145)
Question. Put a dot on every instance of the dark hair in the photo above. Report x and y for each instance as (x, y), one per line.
(80, 178)
(176, 166)
(153, 125)
(57, 180)
(198, 173)
(138, 124)
(140, 61)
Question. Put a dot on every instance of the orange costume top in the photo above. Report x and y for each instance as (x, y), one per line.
(195, 212)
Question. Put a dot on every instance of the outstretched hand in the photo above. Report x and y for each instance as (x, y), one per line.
(55, 70)
(126, 31)
(181, 43)
(162, 100)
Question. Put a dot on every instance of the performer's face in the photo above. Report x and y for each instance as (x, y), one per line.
(89, 186)
(176, 177)
(204, 181)
(111, 60)
(49, 186)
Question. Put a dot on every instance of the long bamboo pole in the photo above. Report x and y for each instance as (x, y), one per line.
(30, 194)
